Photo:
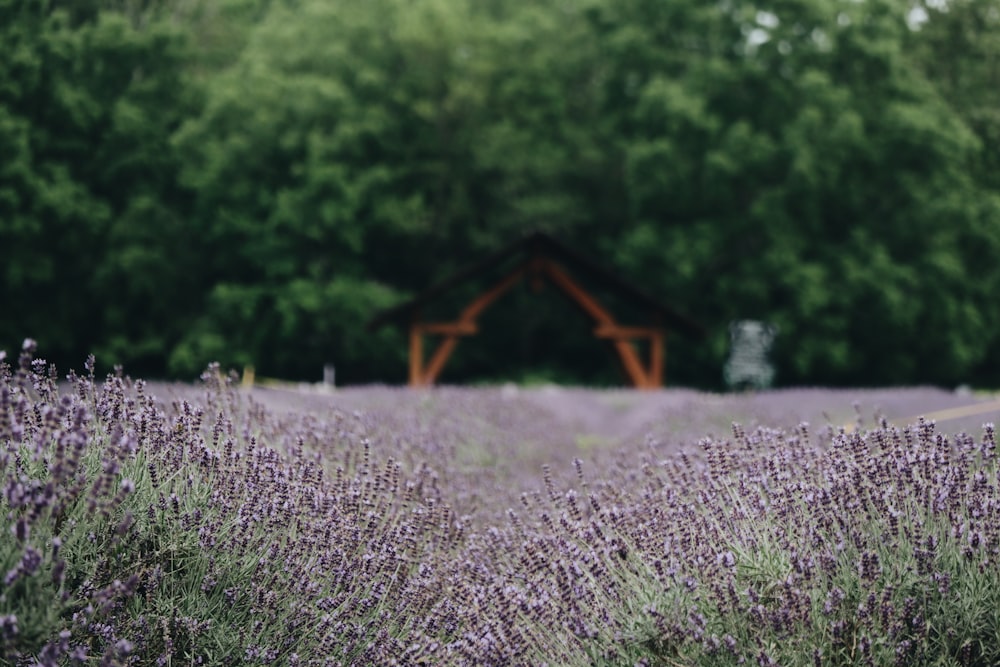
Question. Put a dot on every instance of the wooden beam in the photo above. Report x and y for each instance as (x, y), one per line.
(416, 355)
(577, 293)
(437, 362)
(631, 363)
(480, 303)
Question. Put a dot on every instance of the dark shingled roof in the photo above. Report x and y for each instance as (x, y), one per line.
(543, 244)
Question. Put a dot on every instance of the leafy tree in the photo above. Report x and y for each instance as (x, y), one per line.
(957, 45)
(92, 219)
(304, 161)
(383, 143)
(249, 180)
(806, 180)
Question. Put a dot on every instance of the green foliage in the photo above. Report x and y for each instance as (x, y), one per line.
(189, 180)
(289, 327)
(822, 169)
(96, 250)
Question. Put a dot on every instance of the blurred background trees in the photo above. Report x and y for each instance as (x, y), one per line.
(248, 181)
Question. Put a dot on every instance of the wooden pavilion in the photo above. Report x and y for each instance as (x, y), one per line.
(539, 257)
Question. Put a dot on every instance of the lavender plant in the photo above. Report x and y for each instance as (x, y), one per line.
(212, 529)
(142, 537)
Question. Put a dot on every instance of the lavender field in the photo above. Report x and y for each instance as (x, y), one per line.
(149, 524)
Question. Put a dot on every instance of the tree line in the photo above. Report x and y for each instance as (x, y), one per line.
(249, 181)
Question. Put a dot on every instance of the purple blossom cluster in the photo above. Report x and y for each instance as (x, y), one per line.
(209, 528)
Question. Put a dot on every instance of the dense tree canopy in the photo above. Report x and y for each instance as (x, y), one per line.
(249, 181)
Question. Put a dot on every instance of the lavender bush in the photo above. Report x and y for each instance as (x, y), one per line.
(213, 530)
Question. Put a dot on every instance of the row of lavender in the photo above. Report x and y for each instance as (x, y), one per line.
(213, 531)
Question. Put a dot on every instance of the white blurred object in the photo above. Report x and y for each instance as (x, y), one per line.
(748, 366)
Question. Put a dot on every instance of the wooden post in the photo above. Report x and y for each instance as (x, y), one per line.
(416, 354)
(248, 377)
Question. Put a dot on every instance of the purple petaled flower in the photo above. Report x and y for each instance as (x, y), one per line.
(943, 581)
(124, 524)
(21, 530)
(53, 650)
(78, 655)
(764, 660)
(833, 599)
(208, 583)
(59, 572)
(27, 566)
(8, 626)
(903, 650)
(869, 569)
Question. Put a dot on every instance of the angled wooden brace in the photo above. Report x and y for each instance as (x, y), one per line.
(465, 325)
